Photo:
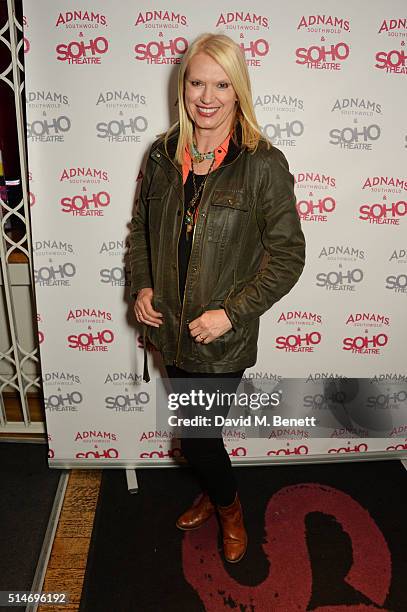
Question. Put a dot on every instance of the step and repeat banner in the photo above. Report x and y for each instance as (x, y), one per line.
(329, 89)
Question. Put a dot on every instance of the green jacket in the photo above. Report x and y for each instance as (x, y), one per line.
(248, 251)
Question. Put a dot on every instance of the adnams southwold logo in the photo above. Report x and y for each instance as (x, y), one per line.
(385, 184)
(357, 107)
(161, 19)
(52, 247)
(88, 315)
(123, 378)
(342, 253)
(112, 247)
(61, 378)
(301, 340)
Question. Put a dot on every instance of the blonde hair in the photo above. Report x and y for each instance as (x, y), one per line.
(230, 57)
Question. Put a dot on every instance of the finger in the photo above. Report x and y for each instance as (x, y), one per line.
(148, 313)
(145, 318)
(196, 333)
(195, 324)
(150, 310)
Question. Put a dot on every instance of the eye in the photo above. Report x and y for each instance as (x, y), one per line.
(223, 85)
(195, 83)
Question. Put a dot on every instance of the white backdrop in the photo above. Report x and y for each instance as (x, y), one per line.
(329, 89)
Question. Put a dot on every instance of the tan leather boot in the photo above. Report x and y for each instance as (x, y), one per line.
(233, 531)
(196, 516)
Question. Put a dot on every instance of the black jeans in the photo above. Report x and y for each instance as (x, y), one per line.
(207, 455)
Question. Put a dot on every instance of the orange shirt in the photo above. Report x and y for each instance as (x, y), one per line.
(220, 153)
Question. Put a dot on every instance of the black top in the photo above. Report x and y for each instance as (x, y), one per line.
(184, 245)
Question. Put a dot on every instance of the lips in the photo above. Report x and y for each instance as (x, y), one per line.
(207, 112)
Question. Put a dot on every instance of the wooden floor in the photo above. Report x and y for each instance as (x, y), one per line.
(66, 567)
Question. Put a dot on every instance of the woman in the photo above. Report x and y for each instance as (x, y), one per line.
(215, 242)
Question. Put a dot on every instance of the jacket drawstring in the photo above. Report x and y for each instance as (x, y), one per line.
(146, 375)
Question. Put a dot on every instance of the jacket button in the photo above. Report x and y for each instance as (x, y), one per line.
(194, 269)
(158, 154)
(229, 201)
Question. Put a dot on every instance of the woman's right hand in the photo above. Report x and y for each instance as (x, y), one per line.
(144, 310)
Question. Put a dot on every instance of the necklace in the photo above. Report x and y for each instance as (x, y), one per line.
(190, 212)
(199, 157)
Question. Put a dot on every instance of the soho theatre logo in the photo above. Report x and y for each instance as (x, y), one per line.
(95, 341)
(302, 340)
(393, 60)
(387, 212)
(331, 50)
(63, 400)
(83, 47)
(115, 276)
(286, 129)
(55, 274)
(254, 46)
(343, 278)
(128, 123)
(373, 339)
(127, 401)
(320, 202)
(162, 49)
(54, 123)
(91, 197)
(97, 439)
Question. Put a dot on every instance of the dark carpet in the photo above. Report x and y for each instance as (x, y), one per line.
(28, 488)
(327, 538)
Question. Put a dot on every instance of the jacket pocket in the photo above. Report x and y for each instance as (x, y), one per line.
(156, 200)
(227, 215)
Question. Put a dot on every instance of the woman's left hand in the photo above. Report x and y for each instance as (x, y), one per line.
(210, 325)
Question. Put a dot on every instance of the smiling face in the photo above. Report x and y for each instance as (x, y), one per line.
(209, 96)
